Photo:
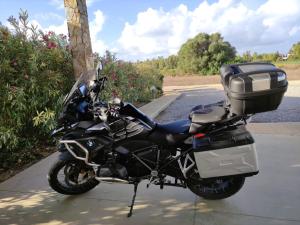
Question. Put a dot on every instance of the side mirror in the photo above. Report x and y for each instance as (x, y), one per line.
(99, 68)
(116, 101)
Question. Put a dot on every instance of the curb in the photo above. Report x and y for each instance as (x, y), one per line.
(155, 107)
(172, 89)
(218, 86)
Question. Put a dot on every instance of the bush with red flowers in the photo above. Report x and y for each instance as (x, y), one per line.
(129, 81)
(35, 72)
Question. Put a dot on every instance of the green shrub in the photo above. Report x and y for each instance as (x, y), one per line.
(295, 51)
(204, 54)
(130, 82)
(35, 72)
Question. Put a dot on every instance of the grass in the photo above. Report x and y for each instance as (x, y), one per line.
(288, 64)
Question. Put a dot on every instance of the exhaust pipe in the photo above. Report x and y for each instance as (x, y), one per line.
(112, 180)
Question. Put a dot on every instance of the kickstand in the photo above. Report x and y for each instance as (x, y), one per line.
(133, 199)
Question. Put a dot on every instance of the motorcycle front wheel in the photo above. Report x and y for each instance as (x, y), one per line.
(215, 189)
(71, 177)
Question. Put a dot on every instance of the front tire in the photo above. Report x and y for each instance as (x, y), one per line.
(216, 188)
(71, 171)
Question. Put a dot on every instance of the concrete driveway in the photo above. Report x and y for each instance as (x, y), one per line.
(271, 197)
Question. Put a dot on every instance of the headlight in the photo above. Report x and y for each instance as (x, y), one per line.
(91, 83)
(83, 90)
(281, 76)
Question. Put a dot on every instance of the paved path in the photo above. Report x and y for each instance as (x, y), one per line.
(288, 111)
(154, 108)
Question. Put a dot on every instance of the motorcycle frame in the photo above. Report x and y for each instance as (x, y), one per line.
(184, 168)
(158, 168)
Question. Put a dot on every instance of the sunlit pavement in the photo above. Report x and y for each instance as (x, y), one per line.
(271, 197)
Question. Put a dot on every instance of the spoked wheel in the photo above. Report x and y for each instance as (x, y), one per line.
(71, 177)
(216, 188)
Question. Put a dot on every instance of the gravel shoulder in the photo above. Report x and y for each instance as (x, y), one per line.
(293, 73)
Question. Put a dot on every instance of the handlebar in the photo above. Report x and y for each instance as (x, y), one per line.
(104, 111)
(101, 109)
(98, 87)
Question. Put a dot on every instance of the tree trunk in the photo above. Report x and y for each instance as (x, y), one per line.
(79, 34)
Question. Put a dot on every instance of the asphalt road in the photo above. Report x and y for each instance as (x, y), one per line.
(288, 111)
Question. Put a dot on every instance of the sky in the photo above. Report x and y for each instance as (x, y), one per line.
(141, 29)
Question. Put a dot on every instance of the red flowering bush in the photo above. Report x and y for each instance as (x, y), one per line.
(35, 72)
(51, 40)
(129, 81)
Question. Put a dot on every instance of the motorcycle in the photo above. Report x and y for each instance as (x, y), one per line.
(210, 152)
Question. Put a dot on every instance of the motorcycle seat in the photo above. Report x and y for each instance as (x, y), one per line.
(172, 133)
(176, 127)
(208, 115)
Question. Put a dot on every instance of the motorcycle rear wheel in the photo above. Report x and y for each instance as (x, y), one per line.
(64, 176)
(216, 188)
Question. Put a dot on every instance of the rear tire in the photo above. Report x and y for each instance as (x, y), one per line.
(218, 188)
(68, 189)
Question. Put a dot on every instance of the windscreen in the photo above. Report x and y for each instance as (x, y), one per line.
(85, 78)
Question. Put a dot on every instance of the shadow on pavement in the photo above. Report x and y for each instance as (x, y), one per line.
(51, 208)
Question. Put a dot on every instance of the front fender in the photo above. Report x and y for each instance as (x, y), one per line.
(57, 131)
(65, 156)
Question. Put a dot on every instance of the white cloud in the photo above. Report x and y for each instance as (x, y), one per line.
(294, 30)
(91, 2)
(59, 4)
(159, 32)
(155, 31)
(58, 29)
(34, 23)
(96, 26)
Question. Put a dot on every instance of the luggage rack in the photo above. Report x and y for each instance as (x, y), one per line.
(233, 121)
(228, 119)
